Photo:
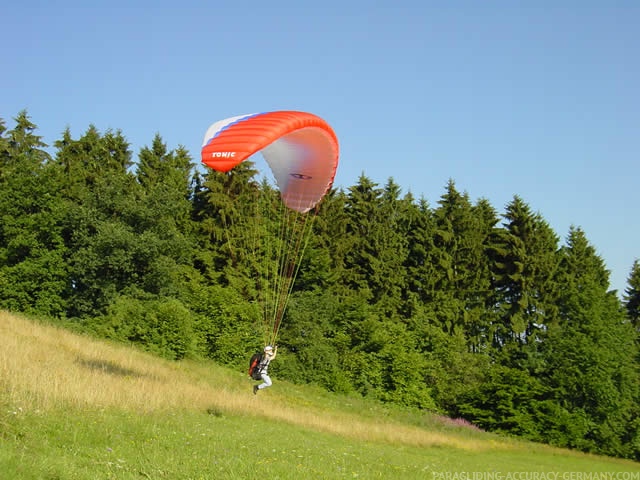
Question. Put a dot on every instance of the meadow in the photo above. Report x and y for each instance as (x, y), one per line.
(73, 407)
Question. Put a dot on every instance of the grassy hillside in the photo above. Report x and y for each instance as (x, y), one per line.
(72, 407)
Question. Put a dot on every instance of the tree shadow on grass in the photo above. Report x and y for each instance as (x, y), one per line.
(106, 366)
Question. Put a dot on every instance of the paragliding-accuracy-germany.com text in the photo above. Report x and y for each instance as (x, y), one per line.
(535, 475)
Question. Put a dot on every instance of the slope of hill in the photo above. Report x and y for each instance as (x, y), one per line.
(73, 407)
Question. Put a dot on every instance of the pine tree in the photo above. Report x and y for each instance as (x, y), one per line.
(165, 218)
(523, 256)
(419, 269)
(102, 202)
(462, 274)
(590, 354)
(378, 243)
(392, 247)
(632, 295)
(32, 269)
(323, 259)
(360, 207)
(223, 205)
(478, 307)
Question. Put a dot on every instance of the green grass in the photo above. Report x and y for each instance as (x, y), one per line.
(92, 444)
(75, 408)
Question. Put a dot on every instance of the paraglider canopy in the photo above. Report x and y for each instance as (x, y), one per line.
(300, 148)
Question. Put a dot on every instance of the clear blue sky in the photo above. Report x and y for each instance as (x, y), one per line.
(535, 98)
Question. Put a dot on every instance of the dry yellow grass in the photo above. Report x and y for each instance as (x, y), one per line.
(43, 367)
(48, 367)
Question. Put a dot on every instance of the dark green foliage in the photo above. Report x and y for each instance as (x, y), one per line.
(462, 276)
(100, 201)
(444, 308)
(33, 272)
(632, 295)
(309, 335)
(163, 326)
(523, 257)
(403, 367)
(227, 326)
(453, 372)
(504, 402)
(590, 356)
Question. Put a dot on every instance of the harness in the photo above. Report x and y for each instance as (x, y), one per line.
(264, 364)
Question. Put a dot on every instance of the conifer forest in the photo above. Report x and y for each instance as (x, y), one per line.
(457, 307)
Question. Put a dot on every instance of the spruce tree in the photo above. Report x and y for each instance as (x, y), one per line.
(165, 218)
(632, 295)
(361, 207)
(33, 275)
(419, 269)
(524, 262)
(462, 276)
(102, 203)
(591, 373)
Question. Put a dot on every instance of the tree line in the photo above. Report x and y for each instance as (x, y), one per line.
(453, 307)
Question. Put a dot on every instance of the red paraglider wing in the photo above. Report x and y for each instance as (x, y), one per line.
(300, 148)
